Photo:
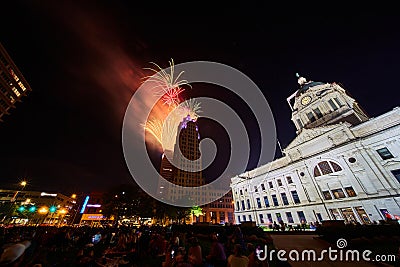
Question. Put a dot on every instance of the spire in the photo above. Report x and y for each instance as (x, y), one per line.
(300, 80)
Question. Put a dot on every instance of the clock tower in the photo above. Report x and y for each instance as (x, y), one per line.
(317, 104)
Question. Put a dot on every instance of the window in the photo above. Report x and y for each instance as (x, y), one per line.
(333, 104)
(350, 191)
(279, 181)
(316, 172)
(258, 202)
(338, 101)
(299, 123)
(396, 174)
(255, 189)
(238, 218)
(248, 204)
(244, 218)
(289, 180)
(284, 199)
(302, 217)
(386, 214)
(295, 196)
(241, 192)
(250, 219)
(289, 217)
(222, 216)
(327, 195)
(261, 218)
(262, 187)
(270, 184)
(230, 216)
(243, 207)
(269, 216)
(326, 167)
(279, 217)
(266, 201)
(318, 113)
(384, 153)
(338, 193)
(237, 205)
(274, 200)
(310, 117)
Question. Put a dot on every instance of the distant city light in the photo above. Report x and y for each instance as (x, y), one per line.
(53, 209)
(21, 209)
(43, 210)
(73, 196)
(93, 205)
(62, 211)
(84, 204)
(23, 183)
(32, 209)
(47, 194)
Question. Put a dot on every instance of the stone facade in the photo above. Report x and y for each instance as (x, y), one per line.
(335, 169)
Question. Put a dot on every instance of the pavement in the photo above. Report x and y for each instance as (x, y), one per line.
(313, 242)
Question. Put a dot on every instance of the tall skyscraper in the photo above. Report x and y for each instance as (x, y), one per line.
(188, 173)
(13, 85)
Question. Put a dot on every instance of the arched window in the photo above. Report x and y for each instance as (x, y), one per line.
(326, 167)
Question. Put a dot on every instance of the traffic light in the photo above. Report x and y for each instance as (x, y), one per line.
(21, 209)
(32, 208)
(53, 209)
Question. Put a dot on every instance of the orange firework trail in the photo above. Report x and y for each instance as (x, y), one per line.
(168, 88)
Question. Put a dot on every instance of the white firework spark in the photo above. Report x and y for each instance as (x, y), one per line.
(165, 131)
(167, 85)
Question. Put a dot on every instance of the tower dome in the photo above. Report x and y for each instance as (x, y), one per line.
(317, 104)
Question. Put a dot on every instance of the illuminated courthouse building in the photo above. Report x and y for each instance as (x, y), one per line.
(188, 173)
(342, 165)
(13, 85)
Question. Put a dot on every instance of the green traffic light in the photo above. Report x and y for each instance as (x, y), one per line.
(32, 209)
(21, 209)
(52, 209)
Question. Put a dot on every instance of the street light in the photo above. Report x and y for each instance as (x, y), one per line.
(23, 183)
(62, 212)
(43, 210)
(32, 208)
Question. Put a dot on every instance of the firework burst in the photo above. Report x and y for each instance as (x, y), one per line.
(167, 85)
(191, 107)
(166, 130)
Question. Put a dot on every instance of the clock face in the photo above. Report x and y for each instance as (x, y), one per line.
(306, 100)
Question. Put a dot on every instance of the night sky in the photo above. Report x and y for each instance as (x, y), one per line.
(84, 62)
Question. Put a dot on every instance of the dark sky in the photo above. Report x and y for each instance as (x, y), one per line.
(84, 61)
